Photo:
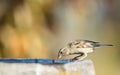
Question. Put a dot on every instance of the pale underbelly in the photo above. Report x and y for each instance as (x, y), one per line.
(85, 50)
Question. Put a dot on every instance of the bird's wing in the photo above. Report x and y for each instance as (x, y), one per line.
(91, 41)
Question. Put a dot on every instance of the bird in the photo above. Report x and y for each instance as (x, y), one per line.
(80, 48)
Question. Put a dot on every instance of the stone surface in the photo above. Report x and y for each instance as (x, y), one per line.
(83, 67)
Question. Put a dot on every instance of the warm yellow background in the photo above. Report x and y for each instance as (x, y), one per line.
(39, 28)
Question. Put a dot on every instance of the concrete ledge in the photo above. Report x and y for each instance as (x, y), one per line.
(84, 67)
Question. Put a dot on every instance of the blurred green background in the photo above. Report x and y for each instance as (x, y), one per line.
(39, 28)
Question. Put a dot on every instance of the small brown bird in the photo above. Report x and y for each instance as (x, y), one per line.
(79, 48)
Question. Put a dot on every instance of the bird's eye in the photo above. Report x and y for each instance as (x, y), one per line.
(60, 52)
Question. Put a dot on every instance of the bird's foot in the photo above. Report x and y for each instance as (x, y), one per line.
(74, 59)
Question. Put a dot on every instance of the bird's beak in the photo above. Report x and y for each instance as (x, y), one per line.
(59, 56)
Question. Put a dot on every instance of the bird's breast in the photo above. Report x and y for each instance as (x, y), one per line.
(85, 50)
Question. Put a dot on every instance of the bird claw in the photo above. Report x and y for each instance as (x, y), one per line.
(74, 59)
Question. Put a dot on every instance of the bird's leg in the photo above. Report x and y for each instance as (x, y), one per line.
(79, 57)
(83, 56)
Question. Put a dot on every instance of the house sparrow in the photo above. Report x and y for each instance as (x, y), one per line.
(79, 48)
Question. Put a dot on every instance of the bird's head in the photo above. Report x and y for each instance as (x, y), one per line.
(63, 52)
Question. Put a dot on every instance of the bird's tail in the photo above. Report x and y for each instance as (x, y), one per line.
(99, 45)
